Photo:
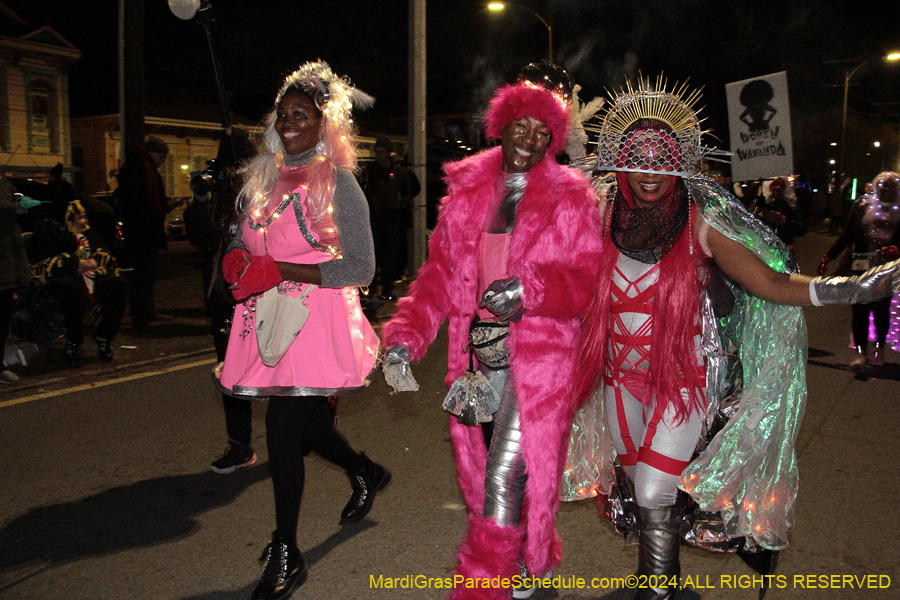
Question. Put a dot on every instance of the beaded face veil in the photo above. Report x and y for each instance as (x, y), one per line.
(671, 146)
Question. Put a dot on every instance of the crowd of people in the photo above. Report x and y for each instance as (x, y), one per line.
(568, 376)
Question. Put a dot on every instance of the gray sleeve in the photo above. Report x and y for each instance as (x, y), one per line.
(351, 217)
(234, 235)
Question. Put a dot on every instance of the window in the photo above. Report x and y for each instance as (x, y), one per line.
(43, 126)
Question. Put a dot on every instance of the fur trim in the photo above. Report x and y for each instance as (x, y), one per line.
(554, 250)
(488, 551)
(517, 101)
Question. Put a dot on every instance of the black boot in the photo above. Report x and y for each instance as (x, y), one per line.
(660, 543)
(366, 482)
(284, 570)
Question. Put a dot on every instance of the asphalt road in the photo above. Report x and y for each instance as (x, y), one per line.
(105, 492)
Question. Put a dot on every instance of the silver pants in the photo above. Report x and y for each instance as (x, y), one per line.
(504, 478)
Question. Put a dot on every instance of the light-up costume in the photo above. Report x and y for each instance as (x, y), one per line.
(671, 370)
(872, 237)
(297, 210)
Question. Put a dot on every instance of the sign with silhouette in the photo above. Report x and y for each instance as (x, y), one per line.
(759, 120)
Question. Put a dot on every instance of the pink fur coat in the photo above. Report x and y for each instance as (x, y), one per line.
(555, 252)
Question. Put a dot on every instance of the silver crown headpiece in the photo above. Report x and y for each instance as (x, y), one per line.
(650, 129)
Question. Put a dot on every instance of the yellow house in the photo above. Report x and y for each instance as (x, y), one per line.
(34, 97)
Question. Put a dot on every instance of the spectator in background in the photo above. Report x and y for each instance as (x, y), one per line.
(778, 210)
(389, 192)
(872, 236)
(207, 221)
(14, 272)
(78, 273)
(144, 204)
(415, 188)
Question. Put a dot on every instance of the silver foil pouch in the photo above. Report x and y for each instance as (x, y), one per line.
(472, 399)
(488, 340)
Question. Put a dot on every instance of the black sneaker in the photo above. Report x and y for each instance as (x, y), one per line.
(73, 354)
(235, 457)
(104, 349)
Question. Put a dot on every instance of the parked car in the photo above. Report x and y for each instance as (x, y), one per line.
(175, 229)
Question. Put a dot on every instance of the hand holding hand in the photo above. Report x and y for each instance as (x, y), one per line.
(87, 264)
(503, 298)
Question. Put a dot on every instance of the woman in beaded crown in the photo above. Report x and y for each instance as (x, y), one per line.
(690, 284)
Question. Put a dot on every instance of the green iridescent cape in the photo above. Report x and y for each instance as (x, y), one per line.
(757, 354)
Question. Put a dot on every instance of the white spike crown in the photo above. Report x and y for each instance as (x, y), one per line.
(673, 149)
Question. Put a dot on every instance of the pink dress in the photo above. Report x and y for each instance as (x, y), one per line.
(493, 258)
(335, 353)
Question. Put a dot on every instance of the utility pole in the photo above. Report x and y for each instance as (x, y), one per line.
(417, 127)
(131, 74)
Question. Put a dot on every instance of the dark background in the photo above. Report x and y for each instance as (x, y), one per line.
(471, 51)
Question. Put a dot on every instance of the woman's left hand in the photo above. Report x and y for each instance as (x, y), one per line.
(503, 298)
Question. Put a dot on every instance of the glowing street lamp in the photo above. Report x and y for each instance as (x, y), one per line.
(848, 76)
(498, 6)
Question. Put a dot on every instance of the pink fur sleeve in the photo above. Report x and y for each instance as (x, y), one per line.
(563, 288)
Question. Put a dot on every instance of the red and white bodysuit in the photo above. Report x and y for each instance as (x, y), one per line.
(652, 445)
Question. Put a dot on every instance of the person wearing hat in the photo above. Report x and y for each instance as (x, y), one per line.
(389, 192)
(302, 240)
(510, 264)
(695, 318)
(143, 204)
(78, 272)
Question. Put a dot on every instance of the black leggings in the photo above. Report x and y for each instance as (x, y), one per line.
(881, 311)
(294, 426)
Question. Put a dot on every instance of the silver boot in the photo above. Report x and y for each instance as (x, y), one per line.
(660, 543)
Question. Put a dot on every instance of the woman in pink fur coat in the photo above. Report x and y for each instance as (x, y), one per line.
(518, 243)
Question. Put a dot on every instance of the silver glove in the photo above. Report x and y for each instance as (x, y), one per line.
(875, 284)
(503, 298)
(397, 373)
(396, 355)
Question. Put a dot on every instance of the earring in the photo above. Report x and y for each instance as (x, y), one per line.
(320, 148)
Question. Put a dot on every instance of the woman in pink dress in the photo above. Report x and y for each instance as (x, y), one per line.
(303, 240)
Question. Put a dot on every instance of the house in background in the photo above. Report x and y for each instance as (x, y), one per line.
(187, 122)
(34, 97)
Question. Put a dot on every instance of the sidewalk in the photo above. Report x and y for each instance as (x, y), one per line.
(179, 294)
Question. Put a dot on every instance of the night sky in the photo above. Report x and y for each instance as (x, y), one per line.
(471, 51)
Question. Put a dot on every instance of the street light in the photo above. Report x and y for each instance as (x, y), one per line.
(202, 10)
(847, 77)
(498, 6)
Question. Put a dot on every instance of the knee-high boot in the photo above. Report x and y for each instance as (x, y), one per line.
(660, 543)
(488, 551)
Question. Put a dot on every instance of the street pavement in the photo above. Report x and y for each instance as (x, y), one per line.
(105, 490)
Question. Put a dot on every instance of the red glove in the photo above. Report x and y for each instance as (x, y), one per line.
(234, 264)
(821, 270)
(889, 253)
(261, 274)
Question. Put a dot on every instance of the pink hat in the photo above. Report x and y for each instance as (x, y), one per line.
(523, 100)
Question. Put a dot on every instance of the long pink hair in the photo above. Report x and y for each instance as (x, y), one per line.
(676, 317)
